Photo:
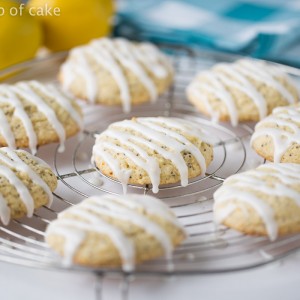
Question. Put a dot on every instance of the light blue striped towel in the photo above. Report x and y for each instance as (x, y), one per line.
(262, 28)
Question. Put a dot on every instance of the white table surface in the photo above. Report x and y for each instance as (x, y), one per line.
(279, 280)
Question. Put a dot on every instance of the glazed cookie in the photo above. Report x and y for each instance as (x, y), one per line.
(152, 151)
(26, 183)
(246, 90)
(110, 231)
(116, 71)
(34, 114)
(277, 137)
(263, 201)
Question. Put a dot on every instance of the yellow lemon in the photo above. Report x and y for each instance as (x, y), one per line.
(20, 34)
(68, 23)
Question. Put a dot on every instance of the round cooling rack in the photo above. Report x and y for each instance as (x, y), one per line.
(207, 249)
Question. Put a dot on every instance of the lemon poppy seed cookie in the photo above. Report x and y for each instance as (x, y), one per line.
(33, 114)
(26, 183)
(263, 201)
(277, 137)
(152, 151)
(111, 231)
(116, 71)
(246, 90)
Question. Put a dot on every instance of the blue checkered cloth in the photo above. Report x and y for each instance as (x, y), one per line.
(267, 29)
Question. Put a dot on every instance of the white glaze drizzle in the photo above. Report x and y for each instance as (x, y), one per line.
(277, 71)
(122, 175)
(240, 74)
(96, 179)
(55, 94)
(127, 58)
(148, 55)
(74, 232)
(282, 139)
(263, 209)
(114, 55)
(105, 58)
(241, 83)
(20, 113)
(24, 90)
(6, 131)
(151, 131)
(16, 162)
(193, 90)
(221, 214)
(189, 146)
(12, 160)
(73, 238)
(88, 216)
(147, 163)
(80, 67)
(21, 188)
(27, 90)
(261, 72)
(188, 126)
(150, 204)
(219, 89)
(102, 207)
(237, 187)
(4, 211)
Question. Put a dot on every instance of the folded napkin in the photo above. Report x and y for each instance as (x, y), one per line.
(268, 29)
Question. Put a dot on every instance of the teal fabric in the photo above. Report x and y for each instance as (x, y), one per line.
(268, 29)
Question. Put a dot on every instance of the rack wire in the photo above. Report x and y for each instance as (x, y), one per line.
(208, 249)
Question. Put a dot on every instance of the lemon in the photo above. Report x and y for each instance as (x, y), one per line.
(20, 35)
(77, 23)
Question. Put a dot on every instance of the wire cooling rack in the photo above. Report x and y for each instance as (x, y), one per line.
(208, 249)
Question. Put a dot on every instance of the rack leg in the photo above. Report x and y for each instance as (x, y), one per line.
(125, 284)
(98, 287)
(146, 189)
(169, 103)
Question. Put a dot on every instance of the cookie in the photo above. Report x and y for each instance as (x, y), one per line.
(277, 137)
(34, 114)
(246, 90)
(152, 151)
(111, 230)
(26, 183)
(116, 72)
(263, 201)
